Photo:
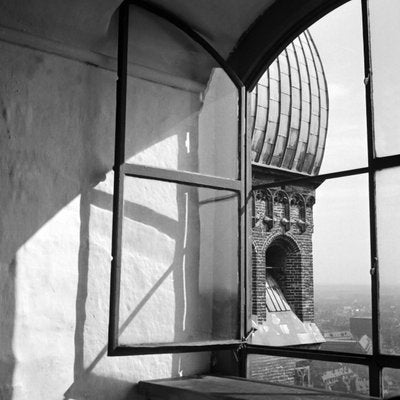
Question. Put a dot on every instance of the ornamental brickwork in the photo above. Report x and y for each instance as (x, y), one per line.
(282, 245)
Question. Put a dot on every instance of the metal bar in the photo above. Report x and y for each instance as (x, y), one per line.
(163, 348)
(179, 23)
(119, 155)
(388, 360)
(364, 359)
(375, 372)
(319, 178)
(183, 177)
(247, 242)
(385, 162)
(245, 224)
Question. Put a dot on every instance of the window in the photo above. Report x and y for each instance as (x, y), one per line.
(179, 230)
(341, 215)
(183, 202)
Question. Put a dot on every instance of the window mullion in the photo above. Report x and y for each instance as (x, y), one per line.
(375, 370)
(119, 157)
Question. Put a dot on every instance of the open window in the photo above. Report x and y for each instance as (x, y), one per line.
(182, 199)
(179, 221)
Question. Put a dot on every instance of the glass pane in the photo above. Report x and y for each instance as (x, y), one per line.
(312, 252)
(179, 276)
(332, 376)
(388, 220)
(385, 55)
(341, 249)
(391, 382)
(343, 64)
(182, 108)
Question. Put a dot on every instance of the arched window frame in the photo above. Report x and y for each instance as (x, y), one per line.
(378, 360)
(122, 169)
(252, 69)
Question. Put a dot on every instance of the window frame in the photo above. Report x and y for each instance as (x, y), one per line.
(376, 361)
(239, 186)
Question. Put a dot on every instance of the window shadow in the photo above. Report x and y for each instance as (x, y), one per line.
(7, 316)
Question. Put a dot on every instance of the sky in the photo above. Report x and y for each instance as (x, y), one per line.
(341, 217)
(341, 213)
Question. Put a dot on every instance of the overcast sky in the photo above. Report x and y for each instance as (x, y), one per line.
(341, 216)
(341, 238)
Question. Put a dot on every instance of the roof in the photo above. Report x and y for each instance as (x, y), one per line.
(282, 327)
(289, 110)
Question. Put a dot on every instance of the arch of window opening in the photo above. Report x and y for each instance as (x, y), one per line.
(377, 361)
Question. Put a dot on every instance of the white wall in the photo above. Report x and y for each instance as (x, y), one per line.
(57, 119)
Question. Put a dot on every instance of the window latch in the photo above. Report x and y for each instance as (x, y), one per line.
(249, 335)
(243, 343)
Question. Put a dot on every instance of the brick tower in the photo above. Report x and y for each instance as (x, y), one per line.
(289, 119)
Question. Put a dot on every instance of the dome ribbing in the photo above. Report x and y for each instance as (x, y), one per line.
(289, 110)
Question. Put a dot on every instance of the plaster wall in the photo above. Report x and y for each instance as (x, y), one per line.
(57, 139)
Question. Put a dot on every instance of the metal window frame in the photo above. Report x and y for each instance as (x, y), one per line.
(240, 186)
(377, 360)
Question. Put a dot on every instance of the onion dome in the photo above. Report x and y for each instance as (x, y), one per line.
(289, 110)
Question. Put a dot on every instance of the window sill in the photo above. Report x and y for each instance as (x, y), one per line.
(214, 387)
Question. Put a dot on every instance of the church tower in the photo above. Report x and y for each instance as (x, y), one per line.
(289, 120)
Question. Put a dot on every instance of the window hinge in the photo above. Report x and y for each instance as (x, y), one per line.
(372, 271)
(243, 343)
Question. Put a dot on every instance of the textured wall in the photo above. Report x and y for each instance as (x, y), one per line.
(57, 120)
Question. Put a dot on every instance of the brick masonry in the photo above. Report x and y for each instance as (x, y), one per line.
(282, 239)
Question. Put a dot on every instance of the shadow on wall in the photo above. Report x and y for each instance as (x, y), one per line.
(92, 377)
(181, 273)
(7, 315)
(87, 382)
(59, 118)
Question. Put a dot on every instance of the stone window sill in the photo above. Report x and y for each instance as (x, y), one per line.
(215, 387)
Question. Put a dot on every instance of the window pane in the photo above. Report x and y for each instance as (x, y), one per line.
(179, 274)
(385, 54)
(341, 248)
(332, 376)
(388, 219)
(343, 63)
(312, 252)
(182, 108)
(391, 382)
